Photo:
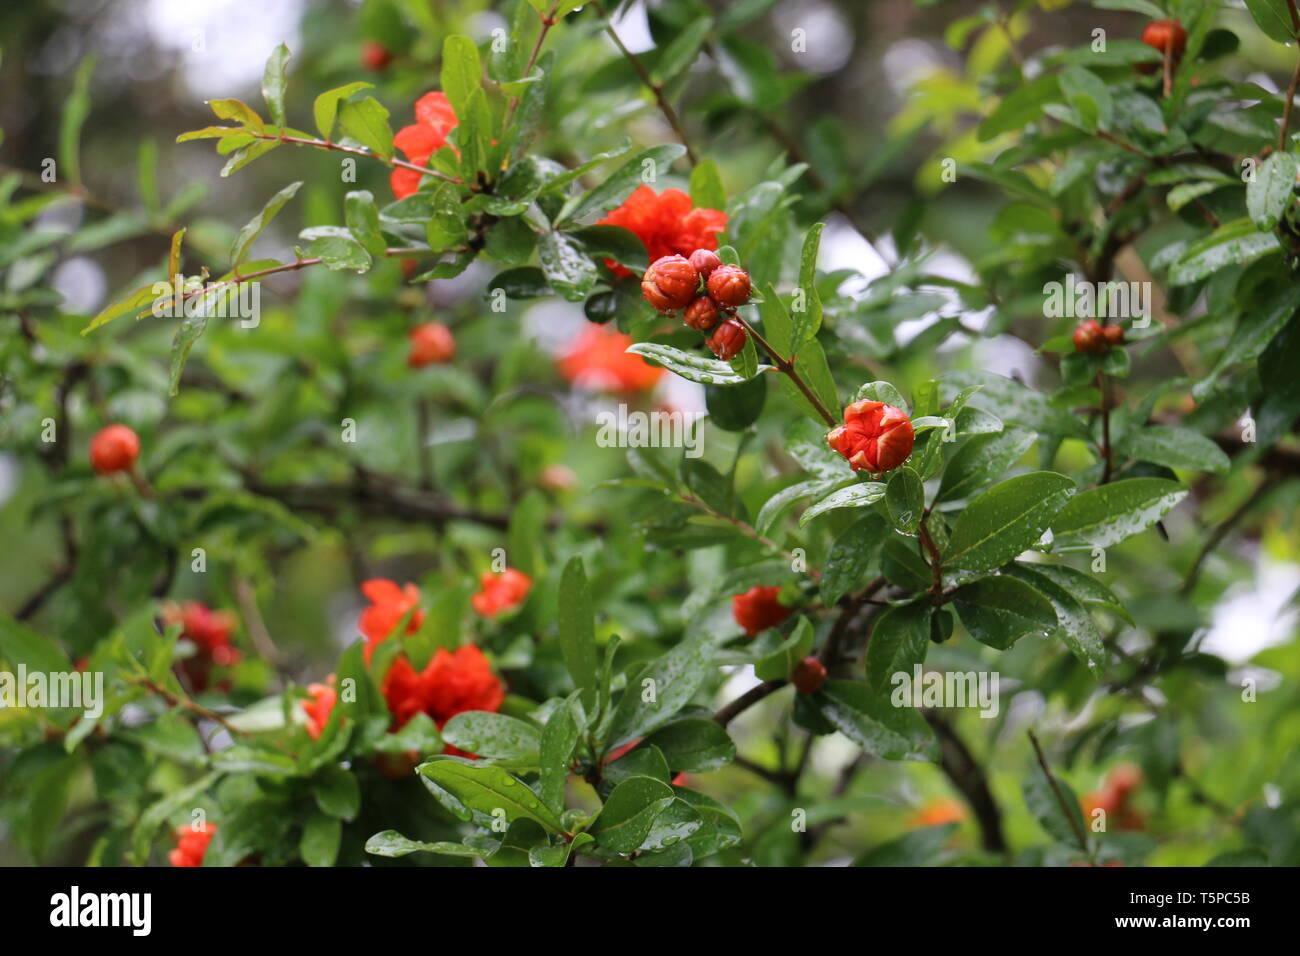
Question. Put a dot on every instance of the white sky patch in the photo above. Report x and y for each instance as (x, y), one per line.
(633, 28)
(1253, 615)
(234, 38)
(827, 36)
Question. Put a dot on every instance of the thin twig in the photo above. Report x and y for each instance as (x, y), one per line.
(747, 700)
(786, 367)
(1216, 537)
(1064, 804)
(648, 81)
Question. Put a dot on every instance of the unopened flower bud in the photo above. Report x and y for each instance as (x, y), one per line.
(114, 448)
(431, 343)
(670, 283)
(729, 285)
(701, 314)
(705, 261)
(875, 437)
(1114, 334)
(809, 675)
(727, 340)
(1089, 339)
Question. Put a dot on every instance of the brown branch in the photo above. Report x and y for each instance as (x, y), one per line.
(786, 367)
(747, 700)
(966, 774)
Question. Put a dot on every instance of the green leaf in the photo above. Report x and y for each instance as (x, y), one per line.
(1006, 519)
(807, 320)
(781, 662)
(254, 227)
(706, 187)
(1000, 610)
(367, 122)
(1234, 243)
(558, 855)
(690, 366)
(559, 738)
(1269, 194)
(273, 83)
(1174, 447)
(1021, 107)
(1107, 514)
(566, 265)
(337, 792)
(682, 51)
(362, 218)
(905, 500)
(75, 111)
(628, 815)
(1086, 588)
(921, 847)
(694, 745)
(1089, 96)
(19, 644)
(496, 736)
(1077, 630)
(321, 834)
(238, 111)
(488, 788)
(673, 680)
(775, 506)
(159, 812)
(326, 107)
(853, 556)
(461, 71)
(340, 252)
(636, 171)
(874, 724)
(854, 496)
(577, 628)
(390, 843)
(982, 460)
(1273, 18)
(899, 641)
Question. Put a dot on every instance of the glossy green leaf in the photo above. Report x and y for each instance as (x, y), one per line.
(1006, 520)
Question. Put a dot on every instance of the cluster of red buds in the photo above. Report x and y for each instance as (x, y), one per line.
(1093, 338)
(708, 292)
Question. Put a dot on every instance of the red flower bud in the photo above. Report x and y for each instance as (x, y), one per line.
(875, 437)
(1166, 35)
(705, 261)
(727, 340)
(758, 609)
(191, 844)
(701, 314)
(375, 56)
(809, 675)
(729, 285)
(431, 343)
(114, 448)
(1114, 334)
(670, 283)
(1089, 339)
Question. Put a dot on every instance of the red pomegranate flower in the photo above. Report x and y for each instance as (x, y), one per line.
(319, 708)
(191, 844)
(500, 592)
(1113, 797)
(598, 359)
(875, 437)
(758, 609)
(666, 223)
(431, 343)
(389, 605)
(209, 631)
(452, 683)
(434, 119)
(938, 811)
